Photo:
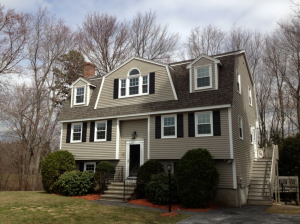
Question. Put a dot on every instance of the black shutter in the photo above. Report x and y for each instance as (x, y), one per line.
(84, 131)
(109, 127)
(68, 133)
(92, 131)
(152, 83)
(179, 125)
(116, 88)
(217, 123)
(191, 124)
(158, 127)
(81, 167)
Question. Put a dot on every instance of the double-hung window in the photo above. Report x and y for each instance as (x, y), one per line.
(252, 134)
(145, 84)
(79, 95)
(90, 166)
(76, 132)
(100, 130)
(238, 83)
(203, 76)
(204, 125)
(241, 134)
(168, 126)
(134, 86)
(123, 87)
(250, 96)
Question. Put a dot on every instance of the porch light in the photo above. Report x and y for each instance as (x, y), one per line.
(133, 135)
(169, 166)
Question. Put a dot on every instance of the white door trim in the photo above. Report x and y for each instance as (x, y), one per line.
(134, 142)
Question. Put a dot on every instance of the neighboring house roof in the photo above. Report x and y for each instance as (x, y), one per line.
(180, 77)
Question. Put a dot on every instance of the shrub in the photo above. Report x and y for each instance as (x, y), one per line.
(145, 172)
(157, 190)
(197, 178)
(53, 166)
(74, 183)
(104, 170)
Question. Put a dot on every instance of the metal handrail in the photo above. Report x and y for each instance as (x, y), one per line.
(129, 181)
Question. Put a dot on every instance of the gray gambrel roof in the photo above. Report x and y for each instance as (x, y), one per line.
(180, 77)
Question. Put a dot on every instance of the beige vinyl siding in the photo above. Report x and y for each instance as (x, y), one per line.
(174, 148)
(163, 90)
(202, 62)
(243, 149)
(105, 150)
(80, 84)
(226, 175)
(126, 129)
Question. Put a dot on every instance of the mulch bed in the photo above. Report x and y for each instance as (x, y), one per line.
(175, 207)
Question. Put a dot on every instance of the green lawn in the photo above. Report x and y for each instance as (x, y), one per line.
(39, 207)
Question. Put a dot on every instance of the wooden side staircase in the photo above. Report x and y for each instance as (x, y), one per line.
(259, 192)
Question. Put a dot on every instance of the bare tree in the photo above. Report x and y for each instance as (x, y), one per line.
(209, 40)
(150, 40)
(104, 41)
(14, 33)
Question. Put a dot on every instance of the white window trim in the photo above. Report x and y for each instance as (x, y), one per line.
(210, 77)
(95, 137)
(72, 129)
(89, 163)
(250, 96)
(162, 126)
(242, 126)
(254, 134)
(240, 84)
(211, 124)
(140, 76)
(75, 93)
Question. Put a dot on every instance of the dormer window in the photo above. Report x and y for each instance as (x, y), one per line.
(203, 76)
(79, 95)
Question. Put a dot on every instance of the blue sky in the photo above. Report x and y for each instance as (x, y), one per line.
(181, 15)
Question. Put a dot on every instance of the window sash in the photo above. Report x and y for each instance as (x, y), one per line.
(100, 130)
(241, 134)
(76, 132)
(79, 97)
(169, 124)
(203, 77)
(90, 167)
(204, 124)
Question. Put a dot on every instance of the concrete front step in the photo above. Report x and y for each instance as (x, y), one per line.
(115, 196)
(110, 199)
(121, 187)
(119, 192)
(260, 202)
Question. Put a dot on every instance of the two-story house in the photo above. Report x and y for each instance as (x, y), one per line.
(145, 110)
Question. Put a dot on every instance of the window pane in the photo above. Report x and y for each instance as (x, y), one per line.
(133, 90)
(101, 135)
(169, 121)
(76, 136)
(145, 80)
(79, 99)
(203, 118)
(203, 72)
(169, 131)
(77, 128)
(204, 129)
(134, 82)
(80, 91)
(123, 92)
(201, 82)
(123, 83)
(134, 72)
(101, 126)
(145, 88)
(90, 167)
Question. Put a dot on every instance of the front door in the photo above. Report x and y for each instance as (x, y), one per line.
(134, 160)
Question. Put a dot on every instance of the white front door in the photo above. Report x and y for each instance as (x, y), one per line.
(134, 157)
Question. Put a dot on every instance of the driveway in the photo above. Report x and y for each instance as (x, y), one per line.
(245, 214)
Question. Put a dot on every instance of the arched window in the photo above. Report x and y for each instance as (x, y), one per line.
(134, 72)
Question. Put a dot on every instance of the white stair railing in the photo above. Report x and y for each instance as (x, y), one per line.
(273, 183)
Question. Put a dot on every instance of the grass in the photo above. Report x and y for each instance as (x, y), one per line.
(39, 207)
(284, 209)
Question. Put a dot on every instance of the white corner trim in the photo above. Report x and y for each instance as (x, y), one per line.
(100, 90)
(216, 77)
(230, 133)
(61, 135)
(117, 139)
(190, 77)
(171, 82)
(234, 174)
(148, 139)
(150, 113)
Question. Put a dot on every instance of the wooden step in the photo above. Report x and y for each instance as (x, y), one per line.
(260, 197)
(263, 194)
(120, 187)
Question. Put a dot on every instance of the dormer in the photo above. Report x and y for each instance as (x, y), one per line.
(203, 74)
(82, 89)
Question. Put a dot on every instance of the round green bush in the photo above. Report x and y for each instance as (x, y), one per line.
(157, 190)
(104, 170)
(145, 172)
(74, 183)
(53, 166)
(197, 178)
